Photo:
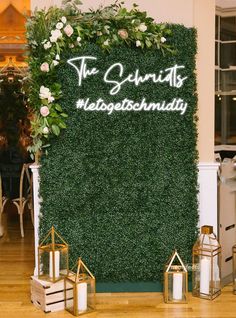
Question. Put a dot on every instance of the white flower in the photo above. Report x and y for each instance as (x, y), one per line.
(46, 94)
(51, 99)
(68, 30)
(44, 67)
(55, 35)
(47, 45)
(99, 33)
(163, 39)
(44, 41)
(63, 20)
(44, 111)
(55, 63)
(59, 25)
(78, 39)
(138, 43)
(58, 57)
(71, 46)
(106, 42)
(45, 130)
(142, 27)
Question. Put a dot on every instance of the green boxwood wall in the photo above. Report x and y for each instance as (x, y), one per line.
(122, 188)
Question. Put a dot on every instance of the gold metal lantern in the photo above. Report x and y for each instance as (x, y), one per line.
(207, 265)
(80, 290)
(175, 280)
(234, 268)
(52, 257)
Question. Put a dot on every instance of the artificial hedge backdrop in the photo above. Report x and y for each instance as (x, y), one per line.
(122, 188)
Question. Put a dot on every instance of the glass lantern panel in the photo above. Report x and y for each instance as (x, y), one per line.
(85, 295)
(44, 262)
(69, 295)
(91, 294)
(215, 275)
(196, 275)
(63, 261)
(177, 287)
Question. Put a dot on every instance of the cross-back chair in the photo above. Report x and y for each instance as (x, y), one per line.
(25, 195)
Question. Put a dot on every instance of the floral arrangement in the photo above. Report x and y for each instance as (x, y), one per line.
(51, 32)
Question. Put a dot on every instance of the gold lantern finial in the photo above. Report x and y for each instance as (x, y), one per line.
(207, 229)
(53, 257)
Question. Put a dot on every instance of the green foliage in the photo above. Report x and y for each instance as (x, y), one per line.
(122, 188)
(58, 30)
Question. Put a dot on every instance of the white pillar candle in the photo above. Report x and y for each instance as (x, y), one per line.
(205, 275)
(57, 264)
(177, 286)
(82, 297)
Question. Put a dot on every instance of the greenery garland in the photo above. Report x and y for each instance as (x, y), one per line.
(58, 30)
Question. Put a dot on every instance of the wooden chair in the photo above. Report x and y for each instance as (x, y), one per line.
(25, 195)
(3, 201)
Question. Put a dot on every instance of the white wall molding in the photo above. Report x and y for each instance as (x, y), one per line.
(207, 180)
(36, 182)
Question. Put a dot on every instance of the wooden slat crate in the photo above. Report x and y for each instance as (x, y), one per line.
(49, 297)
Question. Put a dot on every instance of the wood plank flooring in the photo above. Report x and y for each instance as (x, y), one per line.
(16, 267)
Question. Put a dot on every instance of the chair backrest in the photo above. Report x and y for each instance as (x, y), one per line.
(25, 172)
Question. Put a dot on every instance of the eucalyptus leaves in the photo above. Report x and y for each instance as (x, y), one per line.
(52, 32)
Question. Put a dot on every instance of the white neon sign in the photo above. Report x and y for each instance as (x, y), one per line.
(172, 76)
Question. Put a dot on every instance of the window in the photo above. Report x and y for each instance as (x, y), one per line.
(225, 80)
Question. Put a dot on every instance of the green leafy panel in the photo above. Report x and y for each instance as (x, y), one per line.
(122, 188)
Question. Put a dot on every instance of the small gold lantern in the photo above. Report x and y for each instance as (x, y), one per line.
(207, 265)
(52, 257)
(80, 290)
(175, 280)
(234, 268)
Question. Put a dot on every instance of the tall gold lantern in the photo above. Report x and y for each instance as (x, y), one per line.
(52, 257)
(80, 290)
(207, 265)
(175, 280)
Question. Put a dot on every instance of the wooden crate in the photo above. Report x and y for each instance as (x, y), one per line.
(47, 296)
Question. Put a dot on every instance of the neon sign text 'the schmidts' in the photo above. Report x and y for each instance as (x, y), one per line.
(170, 75)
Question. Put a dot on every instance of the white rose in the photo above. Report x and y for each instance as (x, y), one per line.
(78, 39)
(58, 57)
(138, 43)
(59, 25)
(63, 20)
(47, 45)
(55, 35)
(71, 46)
(44, 67)
(142, 27)
(45, 130)
(106, 42)
(55, 63)
(44, 92)
(44, 111)
(68, 30)
(163, 39)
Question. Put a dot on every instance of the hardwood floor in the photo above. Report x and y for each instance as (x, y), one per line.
(16, 267)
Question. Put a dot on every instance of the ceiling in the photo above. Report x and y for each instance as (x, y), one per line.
(226, 3)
